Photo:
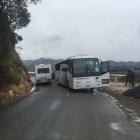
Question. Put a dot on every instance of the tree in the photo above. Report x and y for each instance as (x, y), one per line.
(17, 12)
(13, 15)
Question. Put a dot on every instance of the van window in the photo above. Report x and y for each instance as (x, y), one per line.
(43, 70)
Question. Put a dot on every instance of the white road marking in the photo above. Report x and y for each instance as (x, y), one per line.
(33, 89)
(54, 105)
(115, 126)
(57, 135)
(68, 94)
(137, 120)
(35, 93)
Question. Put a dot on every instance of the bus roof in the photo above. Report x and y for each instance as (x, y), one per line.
(76, 57)
(80, 56)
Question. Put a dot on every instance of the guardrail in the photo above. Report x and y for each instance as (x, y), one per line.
(122, 77)
(117, 77)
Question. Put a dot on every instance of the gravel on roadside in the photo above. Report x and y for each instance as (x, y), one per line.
(125, 95)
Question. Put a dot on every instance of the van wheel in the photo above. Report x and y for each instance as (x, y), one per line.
(68, 84)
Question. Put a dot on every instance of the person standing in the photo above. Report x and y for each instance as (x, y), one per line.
(128, 77)
(132, 78)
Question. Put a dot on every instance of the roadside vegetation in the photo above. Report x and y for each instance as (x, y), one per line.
(14, 15)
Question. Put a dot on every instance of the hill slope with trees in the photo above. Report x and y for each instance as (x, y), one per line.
(14, 79)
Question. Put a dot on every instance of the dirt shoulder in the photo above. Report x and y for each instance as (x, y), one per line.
(118, 90)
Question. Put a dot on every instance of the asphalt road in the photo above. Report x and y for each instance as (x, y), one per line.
(55, 113)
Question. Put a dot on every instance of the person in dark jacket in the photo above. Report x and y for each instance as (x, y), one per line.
(53, 76)
(128, 77)
(132, 78)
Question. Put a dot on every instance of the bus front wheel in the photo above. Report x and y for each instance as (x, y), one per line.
(91, 90)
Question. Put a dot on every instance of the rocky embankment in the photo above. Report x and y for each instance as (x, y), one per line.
(14, 92)
(14, 80)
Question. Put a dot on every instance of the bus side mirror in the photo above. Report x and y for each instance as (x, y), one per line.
(104, 67)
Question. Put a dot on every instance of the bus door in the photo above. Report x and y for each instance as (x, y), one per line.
(64, 69)
(104, 67)
(105, 76)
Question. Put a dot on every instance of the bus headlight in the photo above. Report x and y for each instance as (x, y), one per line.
(105, 81)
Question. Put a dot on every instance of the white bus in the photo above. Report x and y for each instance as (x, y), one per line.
(82, 72)
(43, 73)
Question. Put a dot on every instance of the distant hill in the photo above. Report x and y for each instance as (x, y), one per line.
(114, 65)
(123, 66)
(31, 63)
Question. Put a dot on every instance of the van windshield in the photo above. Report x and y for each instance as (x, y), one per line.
(43, 70)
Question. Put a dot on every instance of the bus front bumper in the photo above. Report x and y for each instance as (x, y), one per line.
(85, 85)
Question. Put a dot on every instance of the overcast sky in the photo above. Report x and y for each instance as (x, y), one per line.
(108, 29)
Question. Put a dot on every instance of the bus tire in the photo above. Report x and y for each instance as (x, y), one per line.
(91, 90)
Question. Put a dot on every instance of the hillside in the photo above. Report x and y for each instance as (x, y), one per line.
(125, 64)
(14, 80)
(114, 65)
(30, 63)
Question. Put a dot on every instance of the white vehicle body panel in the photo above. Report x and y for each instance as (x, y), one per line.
(82, 82)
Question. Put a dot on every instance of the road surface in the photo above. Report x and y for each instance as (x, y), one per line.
(55, 113)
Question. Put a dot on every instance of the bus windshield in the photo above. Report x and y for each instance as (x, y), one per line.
(86, 67)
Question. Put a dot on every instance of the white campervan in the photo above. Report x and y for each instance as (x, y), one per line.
(43, 73)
